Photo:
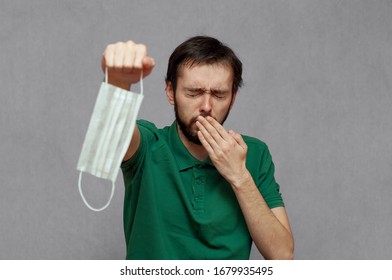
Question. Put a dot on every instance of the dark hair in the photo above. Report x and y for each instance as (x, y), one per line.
(203, 50)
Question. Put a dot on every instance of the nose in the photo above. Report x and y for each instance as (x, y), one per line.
(206, 103)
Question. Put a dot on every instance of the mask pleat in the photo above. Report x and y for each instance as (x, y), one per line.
(112, 133)
(133, 103)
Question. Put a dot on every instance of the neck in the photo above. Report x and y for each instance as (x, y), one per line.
(197, 151)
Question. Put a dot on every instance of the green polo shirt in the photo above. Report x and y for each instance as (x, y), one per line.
(177, 207)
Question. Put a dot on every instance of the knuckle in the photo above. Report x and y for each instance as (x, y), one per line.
(142, 48)
(129, 43)
(219, 154)
(110, 47)
(224, 149)
(118, 46)
(109, 50)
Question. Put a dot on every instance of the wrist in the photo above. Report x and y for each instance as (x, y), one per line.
(243, 181)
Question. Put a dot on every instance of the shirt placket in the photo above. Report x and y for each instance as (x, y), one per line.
(198, 187)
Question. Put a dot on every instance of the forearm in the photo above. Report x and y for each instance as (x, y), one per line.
(273, 239)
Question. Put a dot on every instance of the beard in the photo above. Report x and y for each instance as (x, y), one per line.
(187, 128)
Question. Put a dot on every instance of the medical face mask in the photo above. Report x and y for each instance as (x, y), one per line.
(109, 134)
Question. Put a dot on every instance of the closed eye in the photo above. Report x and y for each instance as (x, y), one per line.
(195, 91)
(219, 93)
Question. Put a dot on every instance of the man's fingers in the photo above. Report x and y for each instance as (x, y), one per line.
(207, 135)
(140, 53)
(205, 143)
(119, 58)
(216, 130)
(125, 62)
(238, 139)
(113, 57)
(127, 57)
(217, 136)
(108, 57)
(148, 63)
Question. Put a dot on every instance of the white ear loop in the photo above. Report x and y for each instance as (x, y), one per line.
(85, 201)
(113, 185)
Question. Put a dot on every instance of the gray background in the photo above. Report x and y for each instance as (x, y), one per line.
(318, 81)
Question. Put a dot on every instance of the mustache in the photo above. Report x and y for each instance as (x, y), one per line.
(204, 115)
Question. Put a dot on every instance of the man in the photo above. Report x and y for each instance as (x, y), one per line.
(194, 190)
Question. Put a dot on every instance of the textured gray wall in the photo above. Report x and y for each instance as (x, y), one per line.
(318, 90)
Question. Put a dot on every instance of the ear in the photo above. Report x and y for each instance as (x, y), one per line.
(170, 93)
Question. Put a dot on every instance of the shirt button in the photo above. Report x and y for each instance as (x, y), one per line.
(198, 181)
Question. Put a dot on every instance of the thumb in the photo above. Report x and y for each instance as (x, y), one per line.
(148, 65)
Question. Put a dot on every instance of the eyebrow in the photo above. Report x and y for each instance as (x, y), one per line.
(195, 89)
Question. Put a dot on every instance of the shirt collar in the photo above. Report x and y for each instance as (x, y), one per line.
(183, 157)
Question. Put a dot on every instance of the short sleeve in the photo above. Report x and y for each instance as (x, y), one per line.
(267, 184)
(260, 164)
(147, 132)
